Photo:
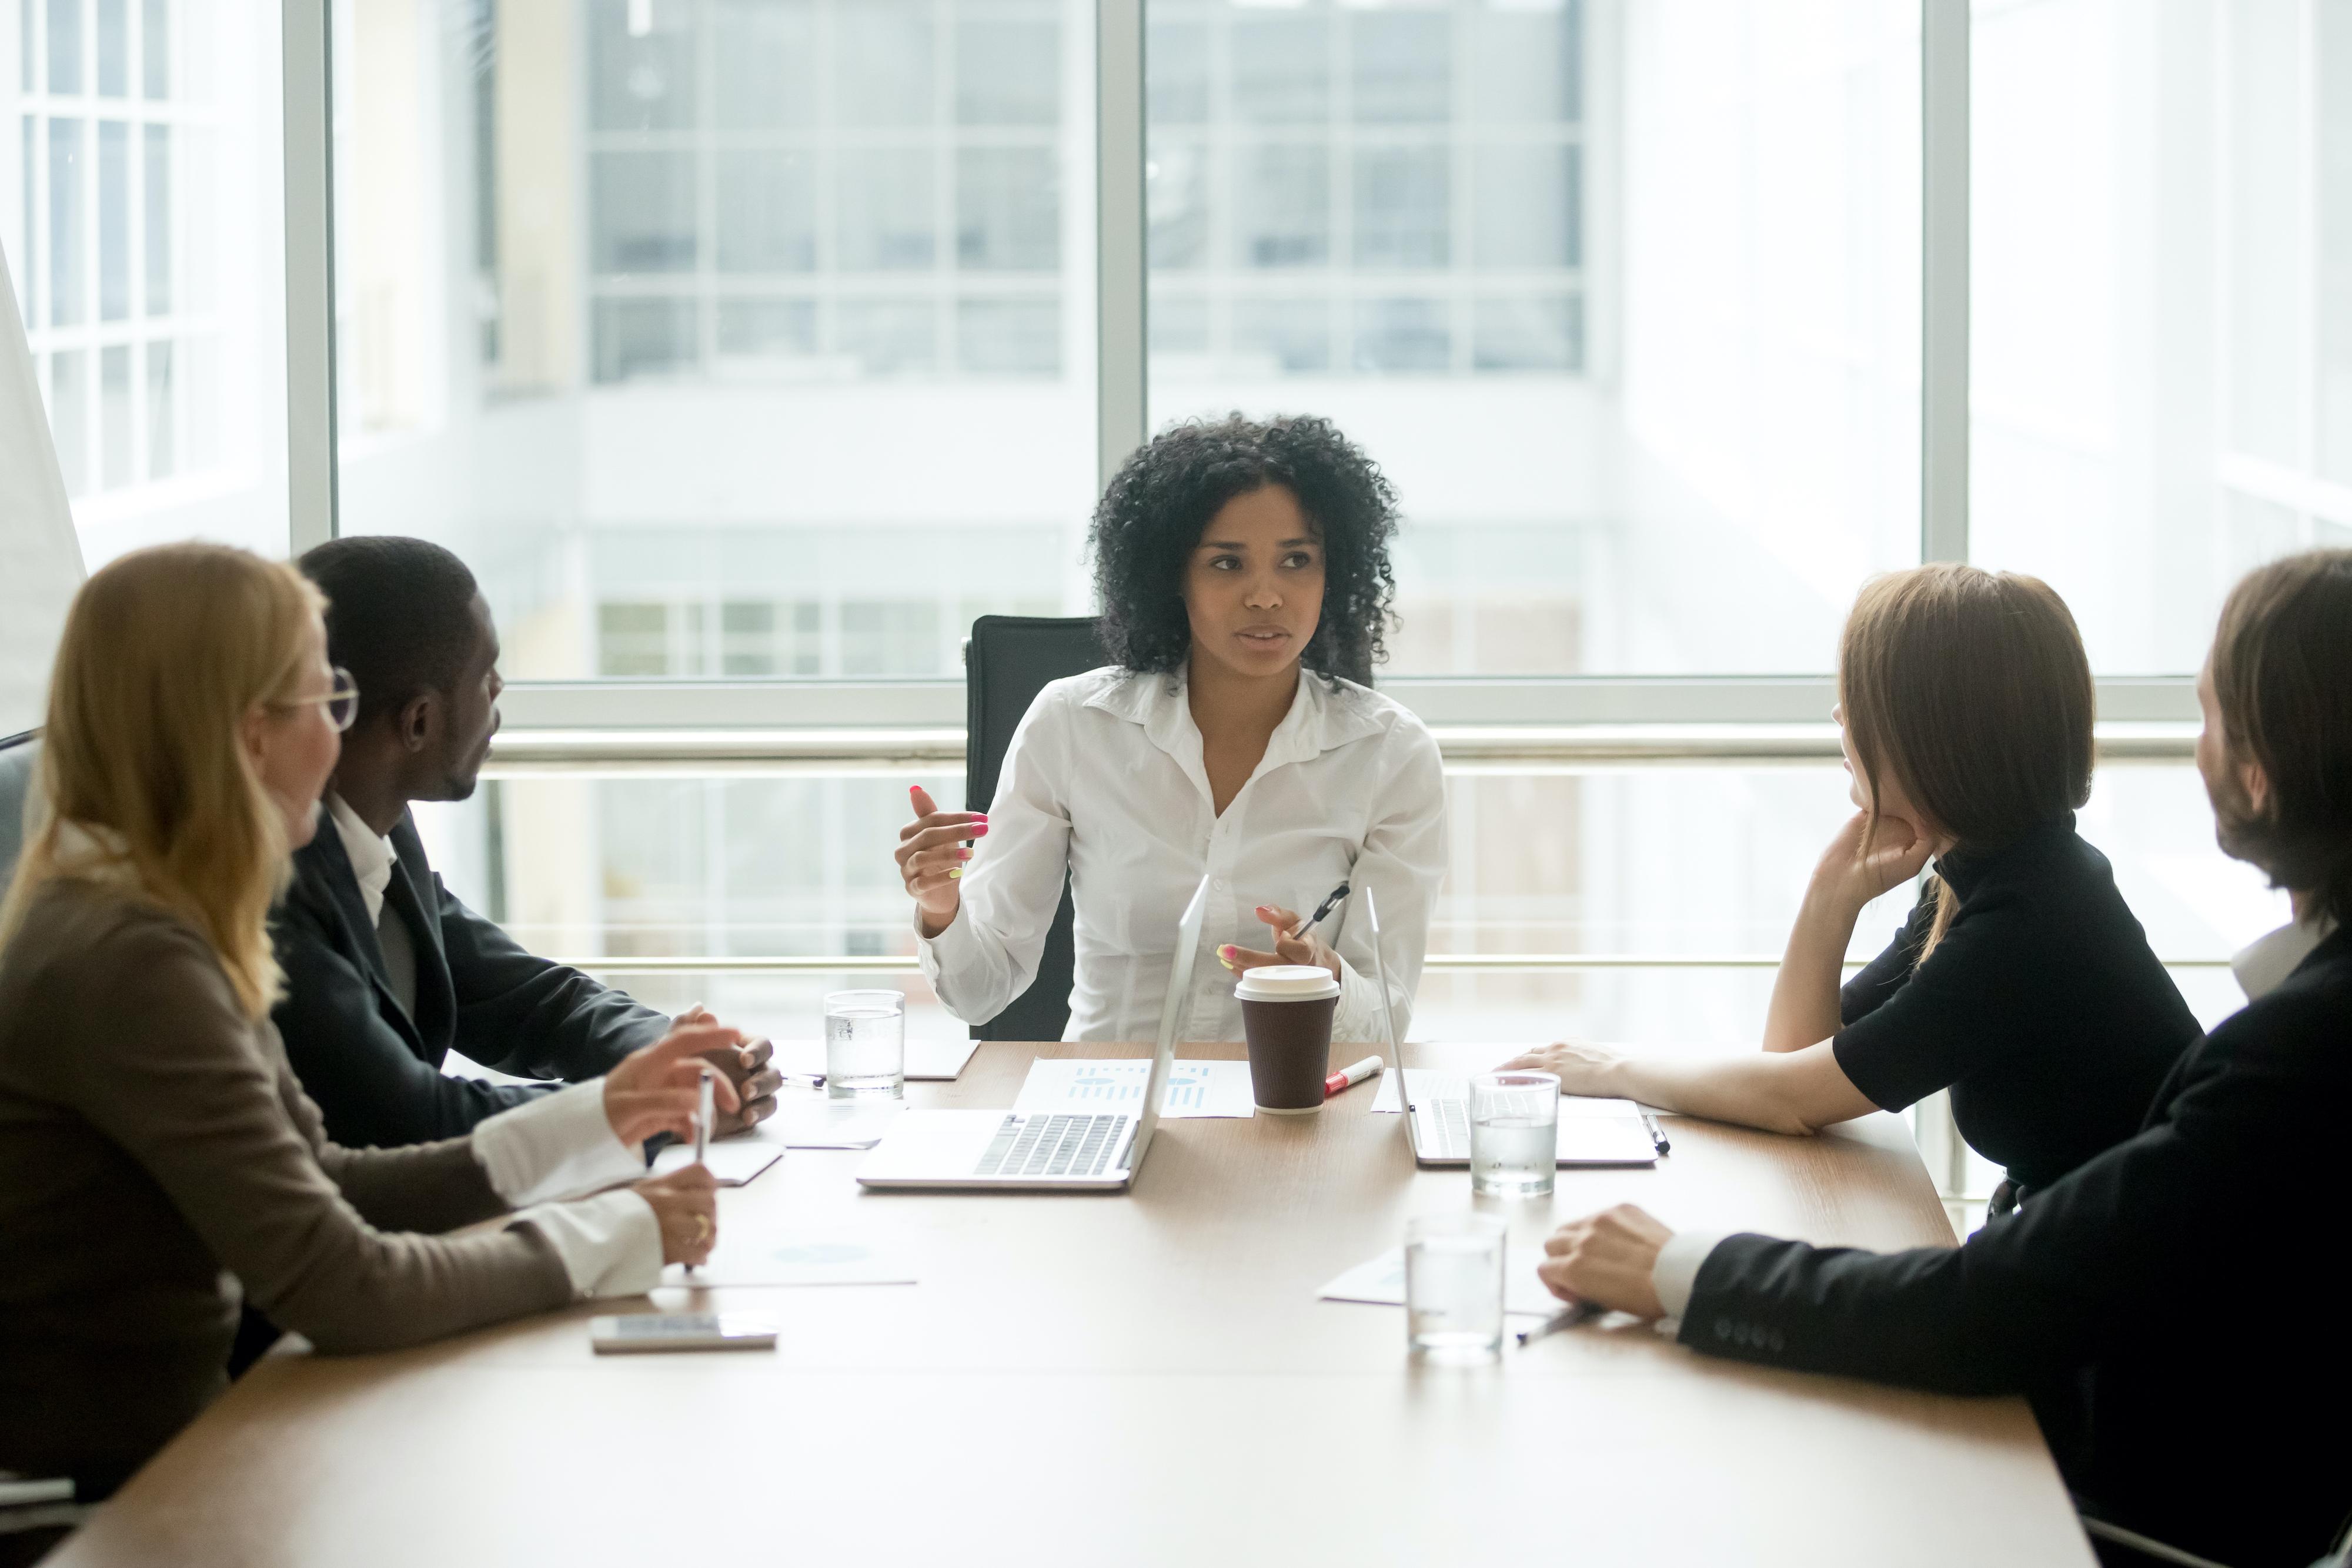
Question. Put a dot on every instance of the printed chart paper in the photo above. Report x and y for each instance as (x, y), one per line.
(1195, 1088)
(1380, 1284)
(805, 1258)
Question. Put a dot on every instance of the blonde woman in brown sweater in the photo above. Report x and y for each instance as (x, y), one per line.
(157, 1156)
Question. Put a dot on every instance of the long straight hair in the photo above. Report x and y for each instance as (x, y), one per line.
(165, 653)
(1970, 688)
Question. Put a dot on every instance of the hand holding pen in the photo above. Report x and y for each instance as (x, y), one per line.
(1294, 941)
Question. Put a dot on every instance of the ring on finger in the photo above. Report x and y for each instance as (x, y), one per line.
(701, 1229)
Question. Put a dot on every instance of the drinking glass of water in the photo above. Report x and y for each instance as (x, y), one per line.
(1453, 1286)
(865, 1045)
(1514, 1134)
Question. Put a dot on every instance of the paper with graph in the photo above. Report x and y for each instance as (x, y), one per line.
(1195, 1088)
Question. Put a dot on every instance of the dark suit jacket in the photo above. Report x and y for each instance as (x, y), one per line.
(375, 1071)
(2166, 1306)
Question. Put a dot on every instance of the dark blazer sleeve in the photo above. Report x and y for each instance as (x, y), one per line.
(2098, 1262)
(370, 1086)
(523, 1014)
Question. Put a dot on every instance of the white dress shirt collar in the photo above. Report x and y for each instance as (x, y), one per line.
(2263, 967)
(1322, 716)
(370, 853)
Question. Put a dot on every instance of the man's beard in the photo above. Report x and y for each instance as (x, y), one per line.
(2243, 832)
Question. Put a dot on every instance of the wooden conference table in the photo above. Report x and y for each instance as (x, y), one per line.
(1145, 1379)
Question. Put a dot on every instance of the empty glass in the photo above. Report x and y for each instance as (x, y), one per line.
(1514, 1134)
(1453, 1286)
(865, 1045)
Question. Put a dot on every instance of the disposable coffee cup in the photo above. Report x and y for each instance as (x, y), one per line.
(1286, 1013)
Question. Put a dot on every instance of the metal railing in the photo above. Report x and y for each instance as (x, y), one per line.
(837, 750)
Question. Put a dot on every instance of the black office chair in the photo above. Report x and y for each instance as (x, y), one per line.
(1008, 660)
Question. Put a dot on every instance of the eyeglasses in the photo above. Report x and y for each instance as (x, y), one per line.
(342, 700)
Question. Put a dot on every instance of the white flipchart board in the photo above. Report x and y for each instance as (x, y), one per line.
(40, 559)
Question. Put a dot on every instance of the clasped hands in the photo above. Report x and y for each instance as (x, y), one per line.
(659, 1090)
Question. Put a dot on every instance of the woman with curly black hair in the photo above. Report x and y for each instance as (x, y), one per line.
(1243, 569)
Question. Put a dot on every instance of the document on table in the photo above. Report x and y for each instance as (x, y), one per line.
(803, 1121)
(1380, 1283)
(1435, 1083)
(744, 1257)
(1195, 1088)
(732, 1162)
(927, 1060)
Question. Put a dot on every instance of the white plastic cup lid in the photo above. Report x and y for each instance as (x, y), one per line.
(1287, 983)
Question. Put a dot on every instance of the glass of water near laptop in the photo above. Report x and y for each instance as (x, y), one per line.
(865, 1045)
(1514, 1134)
(1453, 1286)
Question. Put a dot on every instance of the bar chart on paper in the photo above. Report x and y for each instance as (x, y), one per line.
(1195, 1088)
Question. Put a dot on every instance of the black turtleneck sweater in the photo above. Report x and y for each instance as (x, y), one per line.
(2043, 1009)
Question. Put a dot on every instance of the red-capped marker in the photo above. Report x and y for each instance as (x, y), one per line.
(1349, 1077)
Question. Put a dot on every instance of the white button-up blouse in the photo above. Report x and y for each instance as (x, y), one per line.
(1105, 777)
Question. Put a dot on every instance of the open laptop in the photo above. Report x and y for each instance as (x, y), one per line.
(1046, 1152)
(1438, 1111)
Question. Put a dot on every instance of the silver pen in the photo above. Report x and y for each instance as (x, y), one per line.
(1565, 1318)
(702, 1129)
(1657, 1133)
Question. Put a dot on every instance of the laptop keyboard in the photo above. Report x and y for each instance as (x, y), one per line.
(1063, 1145)
(1453, 1129)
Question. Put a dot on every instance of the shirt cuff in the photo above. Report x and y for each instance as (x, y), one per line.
(950, 960)
(610, 1244)
(1357, 1015)
(556, 1146)
(1675, 1273)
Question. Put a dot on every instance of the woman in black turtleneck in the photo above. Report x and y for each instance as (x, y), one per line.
(2022, 982)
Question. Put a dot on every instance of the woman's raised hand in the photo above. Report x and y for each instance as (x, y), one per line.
(1896, 855)
(931, 859)
(685, 1204)
(1287, 949)
(659, 1088)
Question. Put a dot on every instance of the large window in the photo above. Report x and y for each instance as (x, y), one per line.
(725, 338)
(140, 211)
(2162, 303)
(1625, 299)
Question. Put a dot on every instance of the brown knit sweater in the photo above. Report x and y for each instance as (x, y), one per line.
(155, 1153)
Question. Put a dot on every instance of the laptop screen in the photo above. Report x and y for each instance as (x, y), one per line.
(1172, 1019)
(1395, 1051)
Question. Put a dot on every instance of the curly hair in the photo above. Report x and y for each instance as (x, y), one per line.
(1153, 514)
